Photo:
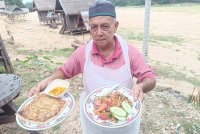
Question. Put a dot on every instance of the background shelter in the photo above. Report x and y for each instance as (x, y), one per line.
(43, 7)
(14, 12)
(2, 6)
(74, 16)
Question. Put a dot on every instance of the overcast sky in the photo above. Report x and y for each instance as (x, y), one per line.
(25, 1)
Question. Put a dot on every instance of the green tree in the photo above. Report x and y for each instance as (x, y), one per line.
(15, 2)
(29, 5)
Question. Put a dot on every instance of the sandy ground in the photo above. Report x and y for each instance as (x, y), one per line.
(31, 35)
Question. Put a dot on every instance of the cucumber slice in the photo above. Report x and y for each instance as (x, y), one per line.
(118, 111)
(121, 118)
(126, 106)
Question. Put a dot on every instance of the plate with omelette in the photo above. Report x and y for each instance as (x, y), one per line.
(47, 109)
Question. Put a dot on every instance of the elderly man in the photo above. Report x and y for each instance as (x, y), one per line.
(106, 60)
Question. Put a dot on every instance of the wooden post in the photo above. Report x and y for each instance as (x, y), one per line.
(146, 28)
(5, 58)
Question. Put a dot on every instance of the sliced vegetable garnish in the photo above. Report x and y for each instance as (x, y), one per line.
(121, 118)
(126, 106)
(118, 111)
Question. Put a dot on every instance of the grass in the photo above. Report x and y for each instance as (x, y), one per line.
(197, 107)
(172, 39)
(138, 36)
(130, 34)
(170, 72)
(36, 66)
(66, 52)
(2, 69)
(180, 7)
(191, 128)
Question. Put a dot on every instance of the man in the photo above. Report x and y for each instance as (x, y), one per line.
(105, 60)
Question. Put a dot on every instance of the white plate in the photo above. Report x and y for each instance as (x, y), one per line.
(34, 127)
(89, 108)
(57, 83)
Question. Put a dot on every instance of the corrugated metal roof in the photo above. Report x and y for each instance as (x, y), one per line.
(13, 10)
(2, 4)
(75, 6)
(25, 10)
(44, 5)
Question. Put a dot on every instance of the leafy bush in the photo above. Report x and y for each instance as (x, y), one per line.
(142, 2)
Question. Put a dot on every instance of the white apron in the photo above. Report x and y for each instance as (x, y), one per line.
(94, 77)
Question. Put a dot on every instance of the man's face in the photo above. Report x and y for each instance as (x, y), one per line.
(102, 29)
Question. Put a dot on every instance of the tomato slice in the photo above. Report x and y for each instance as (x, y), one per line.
(103, 117)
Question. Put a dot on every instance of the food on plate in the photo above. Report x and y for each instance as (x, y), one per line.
(113, 107)
(42, 109)
(126, 106)
(121, 118)
(118, 111)
(57, 91)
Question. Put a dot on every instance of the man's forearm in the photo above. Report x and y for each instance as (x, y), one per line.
(147, 84)
(58, 74)
(44, 83)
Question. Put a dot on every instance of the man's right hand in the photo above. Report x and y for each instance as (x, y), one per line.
(38, 88)
(44, 83)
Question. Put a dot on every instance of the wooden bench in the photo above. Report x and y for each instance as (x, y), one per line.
(10, 88)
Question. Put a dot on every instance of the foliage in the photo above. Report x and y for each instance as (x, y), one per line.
(127, 2)
(29, 5)
(2, 69)
(191, 128)
(15, 2)
(142, 2)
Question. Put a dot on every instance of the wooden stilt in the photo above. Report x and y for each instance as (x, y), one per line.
(4, 58)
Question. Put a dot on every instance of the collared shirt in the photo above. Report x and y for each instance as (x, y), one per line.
(139, 69)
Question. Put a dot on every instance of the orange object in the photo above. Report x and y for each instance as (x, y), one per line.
(57, 91)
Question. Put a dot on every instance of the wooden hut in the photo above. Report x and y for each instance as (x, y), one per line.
(43, 7)
(14, 12)
(74, 16)
(2, 6)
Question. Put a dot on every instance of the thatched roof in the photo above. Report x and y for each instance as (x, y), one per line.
(85, 17)
(2, 4)
(75, 6)
(44, 5)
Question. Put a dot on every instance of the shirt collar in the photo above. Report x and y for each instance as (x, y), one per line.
(116, 52)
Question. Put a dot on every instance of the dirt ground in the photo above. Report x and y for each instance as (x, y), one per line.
(184, 57)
